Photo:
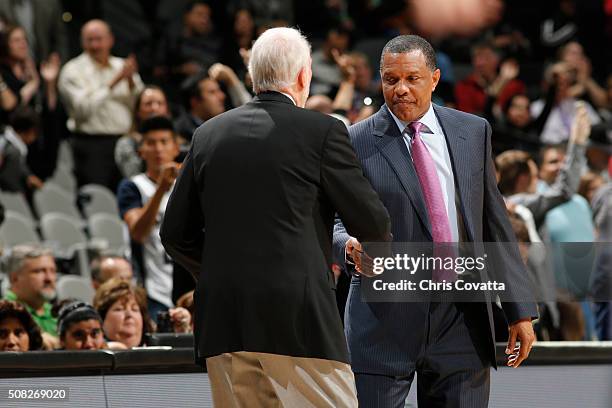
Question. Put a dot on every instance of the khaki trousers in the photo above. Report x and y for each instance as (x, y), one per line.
(248, 379)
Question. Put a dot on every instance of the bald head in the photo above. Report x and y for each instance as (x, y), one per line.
(320, 103)
(109, 267)
(97, 40)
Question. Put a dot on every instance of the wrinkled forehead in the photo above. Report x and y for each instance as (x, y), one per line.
(403, 62)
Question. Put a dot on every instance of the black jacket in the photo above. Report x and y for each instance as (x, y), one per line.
(251, 216)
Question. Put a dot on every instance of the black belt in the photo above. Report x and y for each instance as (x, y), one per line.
(96, 136)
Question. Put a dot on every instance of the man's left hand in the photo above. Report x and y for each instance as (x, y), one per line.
(521, 330)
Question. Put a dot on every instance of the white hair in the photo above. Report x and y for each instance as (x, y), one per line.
(277, 57)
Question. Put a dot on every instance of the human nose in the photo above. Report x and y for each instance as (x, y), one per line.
(89, 342)
(11, 340)
(402, 88)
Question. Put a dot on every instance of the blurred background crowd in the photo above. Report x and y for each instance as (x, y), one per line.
(99, 100)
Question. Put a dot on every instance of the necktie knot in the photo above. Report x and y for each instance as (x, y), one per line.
(415, 127)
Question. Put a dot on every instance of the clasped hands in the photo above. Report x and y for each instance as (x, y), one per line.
(355, 255)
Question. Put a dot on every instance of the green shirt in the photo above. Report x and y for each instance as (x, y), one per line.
(45, 321)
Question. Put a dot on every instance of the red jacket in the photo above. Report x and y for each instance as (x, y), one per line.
(471, 97)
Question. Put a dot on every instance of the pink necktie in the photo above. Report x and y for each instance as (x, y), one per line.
(432, 192)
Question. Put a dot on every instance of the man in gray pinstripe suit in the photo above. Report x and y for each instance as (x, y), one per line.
(450, 345)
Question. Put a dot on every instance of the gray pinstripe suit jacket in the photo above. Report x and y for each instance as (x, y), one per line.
(385, 338)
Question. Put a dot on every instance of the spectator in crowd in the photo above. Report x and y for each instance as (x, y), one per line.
(15, 174)
(278, 12)
(18, 331)
(345, 106)
(79, 326)
(186, 302)
(42, 155)
(599, 150)
(8, 100)
(489, 82)
(32, 274)
(365, 87)
(150, 102)
(518, 181)
(23, 86)
(558, 123)
(43, 24)
(590, 182)
(518, 174)
(194, 47)
(586, 88)
(123, 309)
(236, 90)
(17, 67)
(203, 99)
(241, 36)
(516, 129)
(569, 222)
(108, 266)
(142, 203)
(326, 75)
(99, 91)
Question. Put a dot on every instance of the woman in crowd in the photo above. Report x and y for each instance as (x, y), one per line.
(17, 68)
(79, 326)
(123, 308)
(152, 101)
(22, 85)
(18, 331)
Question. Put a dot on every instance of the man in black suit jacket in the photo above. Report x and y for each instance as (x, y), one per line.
(251, 217)
(451, 346)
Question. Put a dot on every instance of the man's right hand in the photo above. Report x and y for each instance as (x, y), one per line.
(581, 128)
(363, 263)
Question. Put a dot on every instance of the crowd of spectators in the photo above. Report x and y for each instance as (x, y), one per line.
(125, 84)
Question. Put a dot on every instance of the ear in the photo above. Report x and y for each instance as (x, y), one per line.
(301, 79)
(177, 148)
(13, 277)
(522, 182)
(139, 148)
(435, 76)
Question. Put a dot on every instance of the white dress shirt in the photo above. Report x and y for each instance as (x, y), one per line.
(435, 142)
(93, 107)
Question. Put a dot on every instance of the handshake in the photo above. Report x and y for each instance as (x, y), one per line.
(355, 255)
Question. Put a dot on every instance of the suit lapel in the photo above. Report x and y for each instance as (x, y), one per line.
(393, 148)
(458, 148)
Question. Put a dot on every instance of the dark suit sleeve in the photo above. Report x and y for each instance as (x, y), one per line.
(339, 245)
(508, 265)
(356, 202)
(182, 230)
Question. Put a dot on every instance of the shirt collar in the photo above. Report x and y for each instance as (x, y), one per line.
(10, 295)
(290, 97)
(429, 121)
